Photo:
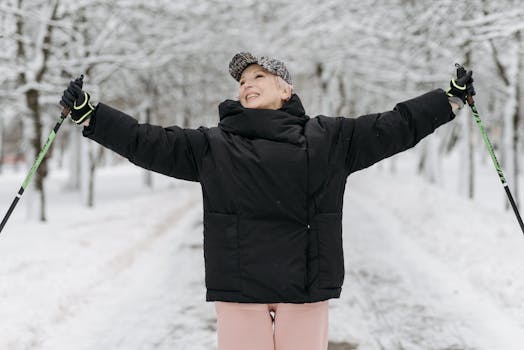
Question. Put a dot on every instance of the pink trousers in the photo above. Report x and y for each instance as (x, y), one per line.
(272, 326)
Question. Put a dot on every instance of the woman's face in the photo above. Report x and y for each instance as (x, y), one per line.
(259, 89)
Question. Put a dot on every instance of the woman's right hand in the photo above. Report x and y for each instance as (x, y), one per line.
(78, 101)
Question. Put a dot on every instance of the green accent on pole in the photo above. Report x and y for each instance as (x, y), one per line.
(50, 139)
(495, 162)
(488, 144)
(35, 166)
(41, 156)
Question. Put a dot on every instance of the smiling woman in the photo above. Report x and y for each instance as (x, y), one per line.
(262, 90)
(273, 181)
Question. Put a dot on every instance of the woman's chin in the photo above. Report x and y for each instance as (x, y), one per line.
(252, 104)
(257, 104)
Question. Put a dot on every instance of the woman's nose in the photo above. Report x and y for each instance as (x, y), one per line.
(247, 85)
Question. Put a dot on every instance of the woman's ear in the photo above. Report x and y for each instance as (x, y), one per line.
(285, 92)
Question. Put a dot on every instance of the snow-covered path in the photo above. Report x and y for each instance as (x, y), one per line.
(150, 294)
(406, 287)
(126, 275)
(424, 270)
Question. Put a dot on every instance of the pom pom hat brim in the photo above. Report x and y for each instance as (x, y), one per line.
(242, 60)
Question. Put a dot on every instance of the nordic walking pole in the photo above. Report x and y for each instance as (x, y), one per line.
(36, 164)
(498, 168)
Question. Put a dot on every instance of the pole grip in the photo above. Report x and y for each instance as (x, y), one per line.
(65, 112)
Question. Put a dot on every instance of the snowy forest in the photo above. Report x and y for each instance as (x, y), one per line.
(101, 254)
(165, 62)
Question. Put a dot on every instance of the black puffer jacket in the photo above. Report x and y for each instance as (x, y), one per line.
(272, 185)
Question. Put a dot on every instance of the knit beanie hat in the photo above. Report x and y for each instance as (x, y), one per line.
(242, 60)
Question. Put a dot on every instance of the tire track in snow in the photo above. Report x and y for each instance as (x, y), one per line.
(166, 309)
(126, 258)
(75, 306)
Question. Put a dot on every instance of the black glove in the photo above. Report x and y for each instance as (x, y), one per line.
(462, 86)
(77, 101)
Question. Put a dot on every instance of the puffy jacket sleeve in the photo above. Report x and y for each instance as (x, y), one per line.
(171, 151)
(371, 138)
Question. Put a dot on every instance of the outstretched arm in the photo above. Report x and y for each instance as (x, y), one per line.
(374, 137)
(378, 136)
(171, 151)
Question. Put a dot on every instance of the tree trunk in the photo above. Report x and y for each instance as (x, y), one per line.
(2, 143)
(511, 137)
(510, 117)
(93, 163)
(469, 144)
(320, 74)
(471, 159)
(516, 119)
(430, 166)
(32, 97)
(75, 161)
(343, 101)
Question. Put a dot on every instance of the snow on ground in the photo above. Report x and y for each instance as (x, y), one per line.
(425, 269)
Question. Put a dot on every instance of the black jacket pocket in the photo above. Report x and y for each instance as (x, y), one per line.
(221, 253)
(330, 252)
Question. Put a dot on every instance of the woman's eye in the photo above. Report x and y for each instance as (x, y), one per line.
(259, 76)
(241, 83)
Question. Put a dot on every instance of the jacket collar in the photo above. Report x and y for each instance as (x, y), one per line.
(283, 125)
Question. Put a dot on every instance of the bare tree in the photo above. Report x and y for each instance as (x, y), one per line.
(165, 62)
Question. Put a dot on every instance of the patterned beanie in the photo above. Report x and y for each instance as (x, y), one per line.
(241, 60)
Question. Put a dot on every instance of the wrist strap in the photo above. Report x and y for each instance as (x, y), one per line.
(84, 111)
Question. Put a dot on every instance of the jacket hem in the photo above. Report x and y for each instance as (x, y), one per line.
(238, 297)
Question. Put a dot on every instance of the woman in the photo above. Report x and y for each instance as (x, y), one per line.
(272, 181)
